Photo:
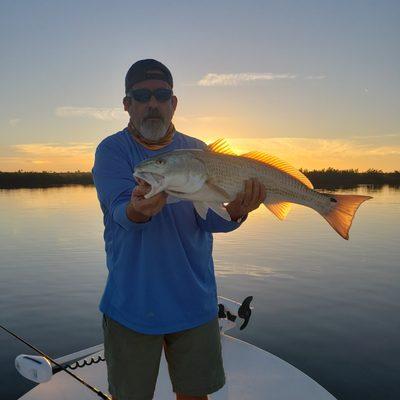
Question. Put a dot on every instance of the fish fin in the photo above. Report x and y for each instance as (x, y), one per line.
(201, 208)
(221, 146)
(340, 217)
(219, 209)
(280, 210)
(279, 164)
(217, 189)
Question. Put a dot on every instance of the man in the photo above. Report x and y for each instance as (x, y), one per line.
(161, 289)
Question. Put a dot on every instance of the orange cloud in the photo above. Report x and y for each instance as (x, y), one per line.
(309, 153)
(49, 157)
(317, 153)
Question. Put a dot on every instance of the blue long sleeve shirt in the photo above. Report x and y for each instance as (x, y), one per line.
(161, 272)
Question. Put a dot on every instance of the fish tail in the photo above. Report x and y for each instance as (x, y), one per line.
(341, 215)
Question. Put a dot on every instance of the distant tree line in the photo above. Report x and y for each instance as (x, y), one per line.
(325, 178)
(335, 178)
(22, 179)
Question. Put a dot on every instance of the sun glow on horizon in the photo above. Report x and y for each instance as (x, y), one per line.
(355, 152)
(306, 153)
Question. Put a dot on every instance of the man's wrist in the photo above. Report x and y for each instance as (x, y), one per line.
(134, 215)
(239, 219)
(234, 216)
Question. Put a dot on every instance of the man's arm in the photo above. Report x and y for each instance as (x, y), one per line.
(118, 191)
(140, 209)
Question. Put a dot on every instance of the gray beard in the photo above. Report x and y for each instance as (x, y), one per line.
(153, 130)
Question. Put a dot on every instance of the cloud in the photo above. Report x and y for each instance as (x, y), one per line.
(212, 79)
(315, 77)
(321, 147)
(49, 156)
(14, 121)
(54, 149)
(100, 113)
(301, 152)
(199, 118)
(40, 162)
(310, 153)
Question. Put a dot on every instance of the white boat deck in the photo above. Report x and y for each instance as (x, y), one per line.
(251, 374)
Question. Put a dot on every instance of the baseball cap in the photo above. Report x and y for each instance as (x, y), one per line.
(147, 69)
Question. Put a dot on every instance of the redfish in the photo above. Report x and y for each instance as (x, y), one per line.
(215, 176)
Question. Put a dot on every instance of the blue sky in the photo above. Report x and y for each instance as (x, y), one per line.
(314, 82)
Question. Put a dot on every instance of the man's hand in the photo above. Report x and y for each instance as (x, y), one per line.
(140, 209)
(247, 201)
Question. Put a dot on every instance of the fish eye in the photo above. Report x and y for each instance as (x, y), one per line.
(160, 161)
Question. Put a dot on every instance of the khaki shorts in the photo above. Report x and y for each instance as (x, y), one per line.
(194, 360)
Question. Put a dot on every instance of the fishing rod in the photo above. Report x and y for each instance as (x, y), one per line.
(92, 388)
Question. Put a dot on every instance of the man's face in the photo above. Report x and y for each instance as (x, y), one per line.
(152, 118)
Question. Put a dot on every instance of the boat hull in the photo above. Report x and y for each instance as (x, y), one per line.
(251, 374)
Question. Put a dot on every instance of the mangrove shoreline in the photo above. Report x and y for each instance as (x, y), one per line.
(321, 179)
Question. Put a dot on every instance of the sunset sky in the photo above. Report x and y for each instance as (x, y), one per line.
(313, 82)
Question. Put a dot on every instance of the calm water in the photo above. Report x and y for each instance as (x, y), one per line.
(328, 306)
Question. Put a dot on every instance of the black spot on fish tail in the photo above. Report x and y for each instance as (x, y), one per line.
(333, 200)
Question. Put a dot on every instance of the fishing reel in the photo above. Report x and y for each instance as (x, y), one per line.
(229, 311)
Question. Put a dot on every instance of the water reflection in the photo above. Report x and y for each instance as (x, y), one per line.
(328, 306)
(225, 268)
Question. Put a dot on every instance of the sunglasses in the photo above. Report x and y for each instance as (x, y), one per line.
(144, 95)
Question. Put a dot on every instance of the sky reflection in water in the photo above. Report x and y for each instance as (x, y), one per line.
(327, 305)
